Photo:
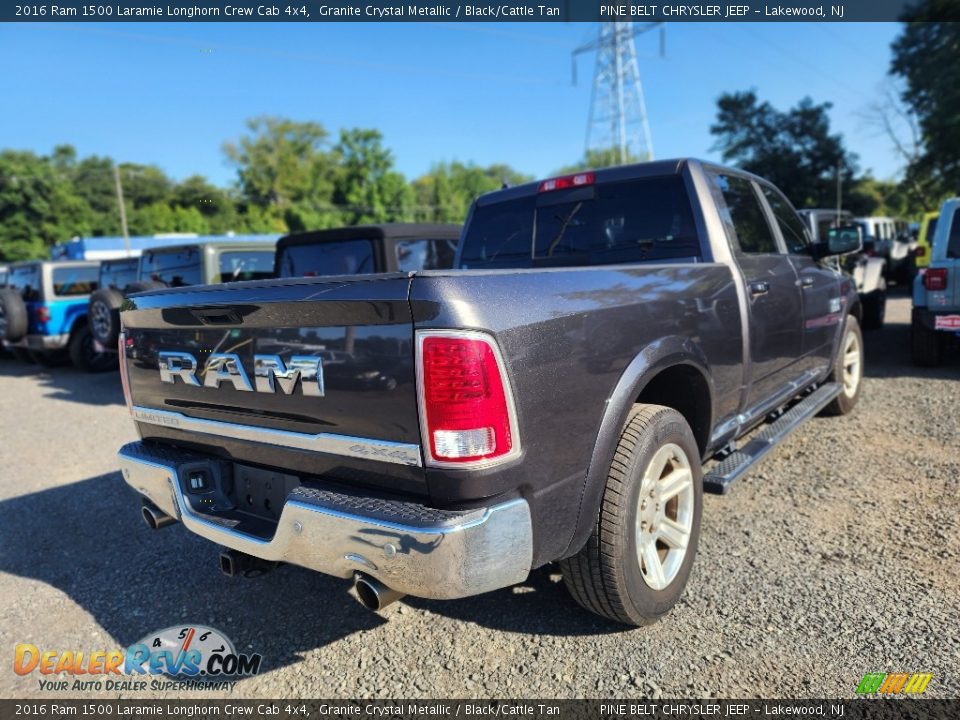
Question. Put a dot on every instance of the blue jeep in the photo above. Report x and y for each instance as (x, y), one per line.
(935, 322)
(43, 314)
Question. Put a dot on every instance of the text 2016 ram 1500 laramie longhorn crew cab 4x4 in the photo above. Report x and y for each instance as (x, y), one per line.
(609, 345)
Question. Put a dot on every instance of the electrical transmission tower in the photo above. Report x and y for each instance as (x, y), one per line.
(618, 115)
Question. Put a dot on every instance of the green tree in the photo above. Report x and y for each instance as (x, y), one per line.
(282, 163)
(37, 206)
(218, 207)
(926, 56)
(92, 181)
(445, 193)
(794, 149)
(366, 187)
(143, 185)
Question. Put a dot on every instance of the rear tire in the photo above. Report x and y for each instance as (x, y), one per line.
(638, 558)
(84, 355)
(104, 316)
(847, 369)
(926, 345)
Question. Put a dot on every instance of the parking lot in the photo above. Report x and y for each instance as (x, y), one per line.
(839, 556)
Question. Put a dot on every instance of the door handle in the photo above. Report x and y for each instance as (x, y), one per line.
(805, 282)
(759, 288)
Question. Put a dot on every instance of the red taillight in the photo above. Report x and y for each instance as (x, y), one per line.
(935, 279)
(567, 181)
(122, 345)
(43, 314)
(466, 409)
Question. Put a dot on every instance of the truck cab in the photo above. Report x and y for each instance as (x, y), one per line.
(362, 249)
(935, 319)
(43, 314)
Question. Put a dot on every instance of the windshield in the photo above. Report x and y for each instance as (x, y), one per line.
(26, 279)
(349, 257)
(617, 222)
(236, 265)
(176, 268)
(118, 274)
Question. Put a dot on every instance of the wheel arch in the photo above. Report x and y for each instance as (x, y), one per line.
(672, 372)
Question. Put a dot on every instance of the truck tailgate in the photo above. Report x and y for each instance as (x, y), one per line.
(356, 422)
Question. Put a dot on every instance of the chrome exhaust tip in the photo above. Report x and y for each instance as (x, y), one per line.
(373, 594)
(154, 518)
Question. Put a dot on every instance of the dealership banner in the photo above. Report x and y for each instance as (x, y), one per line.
(427, 11)
(864, 709)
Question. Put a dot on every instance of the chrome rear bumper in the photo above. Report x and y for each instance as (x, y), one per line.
(412, 549)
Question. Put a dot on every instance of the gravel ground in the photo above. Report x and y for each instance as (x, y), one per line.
(839, 555)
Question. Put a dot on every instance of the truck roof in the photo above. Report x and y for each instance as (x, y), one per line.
(377, 232)
(231, 243)
(611, 174)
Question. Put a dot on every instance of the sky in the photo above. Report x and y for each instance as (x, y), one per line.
(171, 94)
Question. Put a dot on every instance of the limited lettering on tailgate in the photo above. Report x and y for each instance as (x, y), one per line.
(156, 418)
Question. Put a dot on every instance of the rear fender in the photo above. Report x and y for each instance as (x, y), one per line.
(665, 353)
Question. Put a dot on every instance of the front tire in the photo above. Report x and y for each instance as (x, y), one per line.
(638, 558)
(847, 369)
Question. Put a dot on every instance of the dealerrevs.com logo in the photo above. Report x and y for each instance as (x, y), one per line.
(179, 657)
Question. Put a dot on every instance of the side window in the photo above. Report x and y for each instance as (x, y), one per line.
(413, 255)
(745, 215)
(791, 227)
(953, 242)
(75, 281)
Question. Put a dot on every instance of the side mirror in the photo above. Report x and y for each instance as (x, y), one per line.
(841, 240)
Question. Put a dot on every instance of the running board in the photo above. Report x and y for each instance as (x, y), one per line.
(722, 475)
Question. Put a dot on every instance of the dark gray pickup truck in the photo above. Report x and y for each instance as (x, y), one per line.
(610, 345)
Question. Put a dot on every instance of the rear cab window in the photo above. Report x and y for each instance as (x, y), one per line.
(615, 222)
(339, 257)
(237, 265)
(174, 268)
(28, 281)
(75, 281)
